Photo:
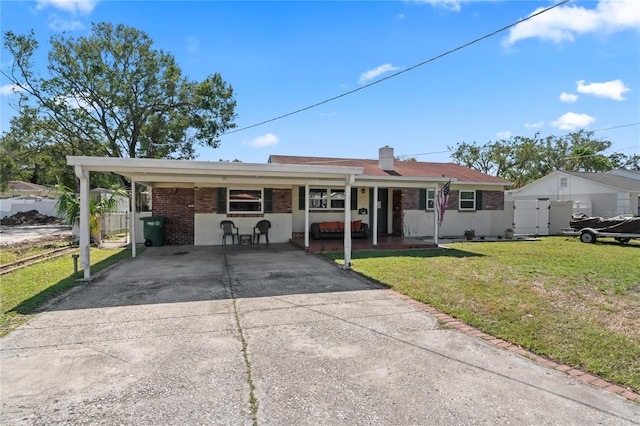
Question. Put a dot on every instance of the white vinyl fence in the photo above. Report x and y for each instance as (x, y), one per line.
(115, 223)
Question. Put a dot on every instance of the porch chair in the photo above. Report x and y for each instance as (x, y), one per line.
(262, 228)
(229, 229)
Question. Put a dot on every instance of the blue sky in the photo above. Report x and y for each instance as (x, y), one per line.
(576, 67)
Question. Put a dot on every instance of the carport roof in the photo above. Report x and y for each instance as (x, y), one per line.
(155, 172)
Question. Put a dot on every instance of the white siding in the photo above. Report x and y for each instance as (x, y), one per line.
(207, 227)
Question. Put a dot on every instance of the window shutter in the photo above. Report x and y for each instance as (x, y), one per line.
(354, 198)
(222, 200)
(268, 200)
(422, 202)
(478, 200)
(301, 198)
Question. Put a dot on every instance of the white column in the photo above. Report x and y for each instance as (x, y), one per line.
(306, 216)
(436, 213)
(375, 216)
(347, 226)
(132, 219)
(85, 234)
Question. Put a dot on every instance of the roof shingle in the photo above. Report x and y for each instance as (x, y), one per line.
(414, 169)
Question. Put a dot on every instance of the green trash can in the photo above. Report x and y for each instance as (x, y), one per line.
(153, 230)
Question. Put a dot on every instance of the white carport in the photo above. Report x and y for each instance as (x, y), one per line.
(153, 172)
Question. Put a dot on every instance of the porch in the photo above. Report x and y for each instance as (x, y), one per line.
(387, 242)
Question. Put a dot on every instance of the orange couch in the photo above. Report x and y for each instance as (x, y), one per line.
(327, 230)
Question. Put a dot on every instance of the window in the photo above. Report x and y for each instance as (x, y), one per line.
(337, 198)
(317, 198)
(467, 200)
(431, 198)
(563, 182)
(245, 201)
(327, 198)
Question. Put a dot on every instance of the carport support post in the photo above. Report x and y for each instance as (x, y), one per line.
(85, 235)
(306, 216)
(347, 224)
(132, 220)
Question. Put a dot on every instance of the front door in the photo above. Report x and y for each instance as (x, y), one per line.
(383, 210)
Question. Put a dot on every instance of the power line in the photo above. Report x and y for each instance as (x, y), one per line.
(350, 92)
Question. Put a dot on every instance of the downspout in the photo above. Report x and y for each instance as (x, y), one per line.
(347, 222)
(85, 235)
(306, 216)
(132, 221)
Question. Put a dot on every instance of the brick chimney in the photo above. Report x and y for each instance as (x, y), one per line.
(385, 158)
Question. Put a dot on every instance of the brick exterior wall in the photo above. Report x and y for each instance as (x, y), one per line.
(282, 200)
(411, 199)
(454, 196)
(176, 204)
(492, 200)
(206, 200)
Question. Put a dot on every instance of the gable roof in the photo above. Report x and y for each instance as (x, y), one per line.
(609, 179)
(18, 185)
(633, 174)
(406, 169)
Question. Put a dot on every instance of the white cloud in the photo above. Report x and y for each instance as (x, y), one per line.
(453, 5)
(81, 7)
(610, 89)
(376, 72)
(193, 45)
(572, 121)
(10, 89)
(264, 140)
(535, 125)
(568, 97)
(564, 22)
(60, 25)
(504, 135)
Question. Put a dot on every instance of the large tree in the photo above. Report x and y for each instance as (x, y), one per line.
(522, 160)
(109, 93)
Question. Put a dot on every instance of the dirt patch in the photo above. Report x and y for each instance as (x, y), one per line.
(30, 218)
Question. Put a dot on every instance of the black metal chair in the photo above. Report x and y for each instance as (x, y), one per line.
(229, 229)
(262, 228)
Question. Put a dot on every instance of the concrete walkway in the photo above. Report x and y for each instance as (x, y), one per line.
(250, 335)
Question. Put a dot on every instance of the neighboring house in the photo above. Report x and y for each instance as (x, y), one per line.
(17, 188)
(596, 194)
(294, 192)
(25, 196)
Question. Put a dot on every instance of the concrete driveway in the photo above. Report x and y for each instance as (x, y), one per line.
(250, 335)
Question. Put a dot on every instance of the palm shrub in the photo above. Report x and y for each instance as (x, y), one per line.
(68, 205)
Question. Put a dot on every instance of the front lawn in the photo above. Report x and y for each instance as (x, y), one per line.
(25, 290)
(576, 303)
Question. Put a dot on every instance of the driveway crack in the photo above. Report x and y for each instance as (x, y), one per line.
(253, 402)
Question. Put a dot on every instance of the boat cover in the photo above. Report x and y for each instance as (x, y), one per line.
(627, 225)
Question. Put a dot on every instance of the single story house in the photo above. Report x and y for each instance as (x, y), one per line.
(23, 196)
(391, 197)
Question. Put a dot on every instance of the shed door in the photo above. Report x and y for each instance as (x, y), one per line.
(531, 217)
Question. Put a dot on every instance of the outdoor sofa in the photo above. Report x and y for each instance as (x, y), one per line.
(328, 230)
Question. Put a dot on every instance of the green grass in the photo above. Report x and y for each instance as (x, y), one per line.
(576, 303)
(13, 254)
(25, 290)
